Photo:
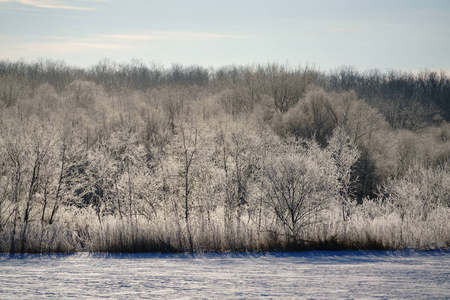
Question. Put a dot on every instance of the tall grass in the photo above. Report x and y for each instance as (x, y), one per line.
(369, 227)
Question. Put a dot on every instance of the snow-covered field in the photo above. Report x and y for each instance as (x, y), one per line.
(319, 275)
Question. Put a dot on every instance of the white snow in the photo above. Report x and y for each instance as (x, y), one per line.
(318, 275)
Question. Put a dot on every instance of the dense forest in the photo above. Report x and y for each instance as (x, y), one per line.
(141, 157)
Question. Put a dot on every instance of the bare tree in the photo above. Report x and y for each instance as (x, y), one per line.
(344, 154)
(189, 152)
(297, 191)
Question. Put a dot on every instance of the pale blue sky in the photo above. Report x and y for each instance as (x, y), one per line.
(406, 35)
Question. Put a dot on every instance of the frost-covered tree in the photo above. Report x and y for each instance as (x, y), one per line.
(182, 154)
(11, 89)
(238, 147)
(299, 187)
(421, 190)
(30, 160)
(344, 154)
(83, 93)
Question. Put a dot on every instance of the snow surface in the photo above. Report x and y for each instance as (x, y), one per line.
(317, 275)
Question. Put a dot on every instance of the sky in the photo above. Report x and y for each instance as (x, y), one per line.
(365, 34)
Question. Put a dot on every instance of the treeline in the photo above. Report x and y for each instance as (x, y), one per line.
(407, 100)
(137, 157)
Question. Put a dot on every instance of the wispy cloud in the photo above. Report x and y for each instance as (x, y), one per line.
(346, 29)
(52, 4)
(111, 45)
(15, 47)
(59, 45)
(73, 46)
(172, 35)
